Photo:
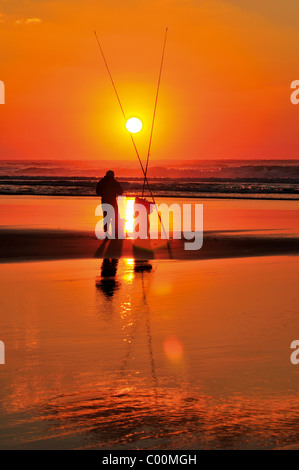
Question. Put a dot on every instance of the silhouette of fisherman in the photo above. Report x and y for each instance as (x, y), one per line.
(108, 284)
(108, 188)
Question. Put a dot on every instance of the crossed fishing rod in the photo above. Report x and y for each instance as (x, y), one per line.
(144, 171)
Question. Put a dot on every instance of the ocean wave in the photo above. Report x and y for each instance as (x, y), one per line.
(187, 188)
(189, 178)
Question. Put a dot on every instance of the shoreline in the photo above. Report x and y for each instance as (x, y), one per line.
(172, 196)
(23, 245)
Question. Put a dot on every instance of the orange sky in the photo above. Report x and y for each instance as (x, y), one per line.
(225, 90)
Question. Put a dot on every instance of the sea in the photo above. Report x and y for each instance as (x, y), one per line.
(258, 179)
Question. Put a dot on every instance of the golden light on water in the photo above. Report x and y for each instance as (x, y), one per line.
(134, 125)
(128, 275)
(173, 347)
(129, 223)
(129, 262)
(163, 288)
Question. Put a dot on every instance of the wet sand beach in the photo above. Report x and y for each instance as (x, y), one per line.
(34, 245)
(41, 228)
(144, 352)
(179, 355)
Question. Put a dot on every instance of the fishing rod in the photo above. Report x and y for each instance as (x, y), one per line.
(155, 108)
(133, 141)
(150, 339)
(118, 98)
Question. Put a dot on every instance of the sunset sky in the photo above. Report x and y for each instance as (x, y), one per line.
(225, 89)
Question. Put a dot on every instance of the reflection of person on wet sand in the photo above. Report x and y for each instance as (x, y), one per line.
(108, 188)
(108, 284)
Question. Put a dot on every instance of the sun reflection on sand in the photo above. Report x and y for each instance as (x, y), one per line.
(129, 220)
(136, 368)
(173, 347)
(128, 275)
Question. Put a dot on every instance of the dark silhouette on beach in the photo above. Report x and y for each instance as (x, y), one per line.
(108, 189)
(108, 283)
(149, 209)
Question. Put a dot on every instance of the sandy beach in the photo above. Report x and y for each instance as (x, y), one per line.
(144, 351)
(42, 228)
(178, 121)
(185, 355)
(34, 245)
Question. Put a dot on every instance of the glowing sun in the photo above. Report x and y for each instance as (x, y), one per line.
(134, 125)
